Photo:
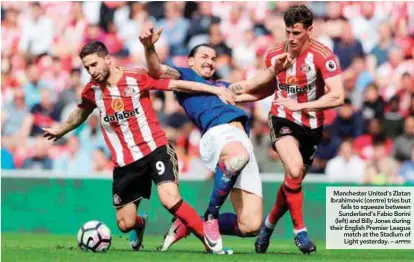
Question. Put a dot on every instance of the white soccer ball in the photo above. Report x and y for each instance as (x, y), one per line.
(94, 236)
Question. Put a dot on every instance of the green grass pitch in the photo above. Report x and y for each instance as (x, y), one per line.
(45, 247)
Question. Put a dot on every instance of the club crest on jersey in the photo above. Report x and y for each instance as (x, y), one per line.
(117, 105)
(117, 199)
(305, 68)
(129, 91)
(330, 65)
(285, 130)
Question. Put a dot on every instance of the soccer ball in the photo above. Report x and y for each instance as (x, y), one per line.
(94, 236)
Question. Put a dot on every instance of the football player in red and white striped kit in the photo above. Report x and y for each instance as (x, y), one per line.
(140, 150)
(296, 117)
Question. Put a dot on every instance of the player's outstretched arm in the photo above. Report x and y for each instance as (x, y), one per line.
(263, 83)
(255, 94)
(194, 87)
(250, 86)
(257, 88)
(146, 82)
(77, 117)
(148, 39)
(156, 69)
(153, 62)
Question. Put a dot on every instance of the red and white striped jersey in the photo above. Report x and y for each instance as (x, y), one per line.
(303, 81)
(128, 121)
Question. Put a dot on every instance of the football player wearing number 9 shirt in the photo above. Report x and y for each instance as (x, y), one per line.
(140, 150)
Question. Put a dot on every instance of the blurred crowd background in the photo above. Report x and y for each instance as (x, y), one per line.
(368, 140)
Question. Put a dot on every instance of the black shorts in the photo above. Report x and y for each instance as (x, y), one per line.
(308, 138)
(133, 182)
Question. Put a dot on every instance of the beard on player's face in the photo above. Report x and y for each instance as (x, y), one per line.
(101, 74)
(206, 70)
(204, 62)
(105, 74)
(97, 67)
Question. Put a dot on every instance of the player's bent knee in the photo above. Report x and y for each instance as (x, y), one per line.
(236, 162)
(168, 194)
(126, 221)
(249, 225)
(295, 170)
(125, 226)
(235, 155)
(168, 200)
(122, 227)
(250, 229)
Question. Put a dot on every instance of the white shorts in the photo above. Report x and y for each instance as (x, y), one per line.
(211, 145)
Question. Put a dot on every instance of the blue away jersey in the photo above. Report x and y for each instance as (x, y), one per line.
(207, 110)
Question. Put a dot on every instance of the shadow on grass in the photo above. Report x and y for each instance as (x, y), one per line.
(175, 251)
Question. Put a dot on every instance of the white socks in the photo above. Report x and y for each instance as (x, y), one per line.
(268, 224)
(296, 231)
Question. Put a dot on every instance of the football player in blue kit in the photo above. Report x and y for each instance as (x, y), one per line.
(225, 148)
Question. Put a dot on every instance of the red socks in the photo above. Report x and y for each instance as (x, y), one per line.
(289, 197)
(189, 217)
(279, 208)
(292, 189)
(140, 223)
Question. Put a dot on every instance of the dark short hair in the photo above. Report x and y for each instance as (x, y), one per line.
(394, 99)
(75, 71)
(348, 139)
(372, 85)
(406, 74)
(94, 47)
(298, 14)
(379, 140)
(195, 49)
(347, 101)
(36, 4)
